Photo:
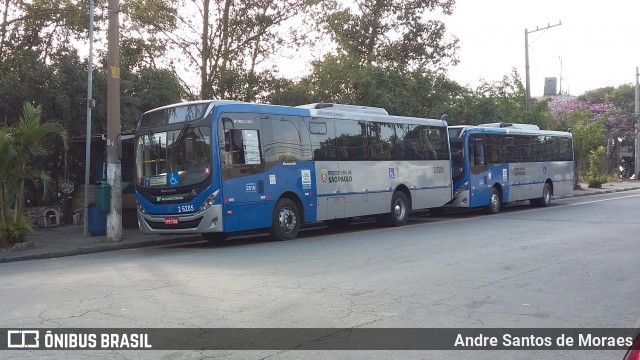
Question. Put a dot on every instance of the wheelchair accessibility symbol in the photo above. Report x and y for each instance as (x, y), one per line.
(174, 179)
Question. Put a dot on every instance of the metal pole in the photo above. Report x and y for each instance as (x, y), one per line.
(87, 150)
(526, 65)
(560, 92)
(114, 175)
(636, 160)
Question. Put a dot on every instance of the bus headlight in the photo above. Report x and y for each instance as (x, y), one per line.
(141, 208)
(208, 203)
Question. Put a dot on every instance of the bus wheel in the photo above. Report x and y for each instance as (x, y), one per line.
(399, 210)
(545, 200)
(286, 220)
(494, 201)
(215, 237)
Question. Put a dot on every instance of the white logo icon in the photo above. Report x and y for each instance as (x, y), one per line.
(24, 341)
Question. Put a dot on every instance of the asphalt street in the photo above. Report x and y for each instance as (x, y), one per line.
(571, 265)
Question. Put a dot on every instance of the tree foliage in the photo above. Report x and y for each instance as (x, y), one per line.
(497, 101)
(223, 43)
(394, 33)
(20, 145)
(342, 79)
(41, 25)
(586, 124)
(613, 111)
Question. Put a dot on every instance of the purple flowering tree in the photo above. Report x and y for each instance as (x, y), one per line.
(593, 125)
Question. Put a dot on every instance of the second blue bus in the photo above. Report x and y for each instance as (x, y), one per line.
(500, 163)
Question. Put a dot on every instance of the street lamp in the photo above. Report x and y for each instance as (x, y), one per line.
(526, 60)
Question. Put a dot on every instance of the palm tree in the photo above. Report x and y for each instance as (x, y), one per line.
(20, 144)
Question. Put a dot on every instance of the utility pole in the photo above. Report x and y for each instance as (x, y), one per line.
(526, 60)
(636, 148)
(560, 92)
(114, 176)
(87, 150)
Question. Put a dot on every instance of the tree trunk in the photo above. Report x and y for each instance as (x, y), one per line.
(3, 28)
(19, 199)
(251, 78)
(205, 52)
(375, 28)
(224, 45)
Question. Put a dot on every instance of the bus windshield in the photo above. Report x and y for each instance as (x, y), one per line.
(173, 158)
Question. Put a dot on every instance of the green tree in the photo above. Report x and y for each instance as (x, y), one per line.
(25, 77)
(20, 145)
(342, 79)
(227, 43)
(587, 125)
(394, 33)
(616, 105)
(41, 25)
(498, 101)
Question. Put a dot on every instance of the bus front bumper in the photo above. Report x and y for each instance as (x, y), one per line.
(209, 220)
(460, 201)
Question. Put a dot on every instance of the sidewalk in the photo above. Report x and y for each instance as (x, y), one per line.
(68, 240)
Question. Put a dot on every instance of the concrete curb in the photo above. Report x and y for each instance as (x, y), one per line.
(102, 248)
(596, 192)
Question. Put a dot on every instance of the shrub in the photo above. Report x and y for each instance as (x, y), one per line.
(597, 175)
(12, 232)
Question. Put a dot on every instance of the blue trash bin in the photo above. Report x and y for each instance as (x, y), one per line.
(97, 224)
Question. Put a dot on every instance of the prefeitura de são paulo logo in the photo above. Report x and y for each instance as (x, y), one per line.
(323, 174)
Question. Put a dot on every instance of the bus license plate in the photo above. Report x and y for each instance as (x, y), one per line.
(171, 221)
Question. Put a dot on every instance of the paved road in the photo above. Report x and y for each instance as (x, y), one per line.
(571, 265)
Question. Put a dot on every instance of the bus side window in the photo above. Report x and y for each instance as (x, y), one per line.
(241, 147)
(323, 141)
(352, 140)
(438, 139)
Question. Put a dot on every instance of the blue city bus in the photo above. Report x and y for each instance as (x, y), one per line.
(500, 163)
(220, 167)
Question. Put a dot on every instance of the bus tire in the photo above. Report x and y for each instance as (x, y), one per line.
(338, 223)
(399, 210)
(215, 237)
(285, 220)
(495, 201)
(545, 200)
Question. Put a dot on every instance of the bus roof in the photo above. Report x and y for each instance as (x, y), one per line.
(334, 111)
(495, 128)
(346, 108)
(321, 110)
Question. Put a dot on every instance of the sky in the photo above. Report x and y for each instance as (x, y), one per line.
(595, 42)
